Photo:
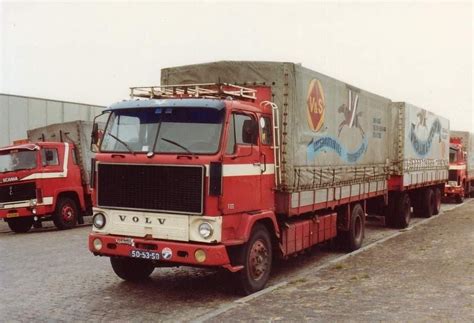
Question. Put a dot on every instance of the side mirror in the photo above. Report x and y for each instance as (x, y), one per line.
(97, 132)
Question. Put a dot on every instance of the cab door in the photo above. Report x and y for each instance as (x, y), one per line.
(241, 165)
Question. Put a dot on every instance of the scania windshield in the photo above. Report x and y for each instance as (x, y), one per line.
(178, 130)
(14, 160)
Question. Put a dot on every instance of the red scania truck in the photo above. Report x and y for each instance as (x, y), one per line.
(269, 160)
(46, 178)
(461, 166)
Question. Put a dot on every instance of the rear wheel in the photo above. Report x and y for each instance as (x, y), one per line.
(66, 213)
(131, 269)
(352, 240)
(20, 225)
(437, 201)
(400, 211)
(256, 257)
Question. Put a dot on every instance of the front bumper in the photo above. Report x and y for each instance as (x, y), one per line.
(41, 210)
(181, 252)
(453, 190)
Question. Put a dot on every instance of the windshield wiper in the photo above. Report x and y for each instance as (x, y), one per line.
(122, 142)
(179, 145)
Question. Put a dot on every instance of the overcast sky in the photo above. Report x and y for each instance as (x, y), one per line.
(91, 52)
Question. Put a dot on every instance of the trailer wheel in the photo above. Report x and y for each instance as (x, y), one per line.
(20, 225)
(256, 257)
(401, 214)
(66, 213)
(131, 269)
(352, 240)
(437, 201)
(427, 203)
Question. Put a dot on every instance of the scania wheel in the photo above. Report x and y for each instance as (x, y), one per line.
(66, 213)
(21, 224)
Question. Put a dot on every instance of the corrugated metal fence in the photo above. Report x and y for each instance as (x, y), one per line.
(20, 113)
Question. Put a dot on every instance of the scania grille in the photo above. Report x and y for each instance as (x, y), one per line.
(149, 187)
(17, 192)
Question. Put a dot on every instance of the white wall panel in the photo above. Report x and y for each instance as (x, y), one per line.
(54, 112)
(4, 124)
(36, 113)
(18, 117)
(19, 113)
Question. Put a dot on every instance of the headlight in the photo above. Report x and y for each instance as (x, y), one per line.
(33, 203)
(205, 230)
(99, 220)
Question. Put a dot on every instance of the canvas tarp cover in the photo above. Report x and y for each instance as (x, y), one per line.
(331, 133)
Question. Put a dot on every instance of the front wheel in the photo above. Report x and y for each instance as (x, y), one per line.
(131, 269)
(66, 213)
(256, 257)
(20, 225)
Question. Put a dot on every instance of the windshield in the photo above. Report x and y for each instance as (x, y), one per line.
(164, 130)
(16, 160)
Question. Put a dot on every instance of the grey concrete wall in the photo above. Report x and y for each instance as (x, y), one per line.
(20, 113)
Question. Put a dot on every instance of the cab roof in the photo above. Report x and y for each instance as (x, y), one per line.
(217, 104)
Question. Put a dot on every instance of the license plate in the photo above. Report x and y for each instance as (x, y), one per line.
(151, 255)
(13, 215)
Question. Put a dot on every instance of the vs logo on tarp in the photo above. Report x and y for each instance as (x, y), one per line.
(316, 105)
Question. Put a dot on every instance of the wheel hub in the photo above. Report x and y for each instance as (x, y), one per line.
(258, 261)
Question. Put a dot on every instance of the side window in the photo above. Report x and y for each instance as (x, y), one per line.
(240, 132)
(266, 131)
(49, 157)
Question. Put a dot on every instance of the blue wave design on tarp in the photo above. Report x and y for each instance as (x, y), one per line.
(423, 147)
(318, 145)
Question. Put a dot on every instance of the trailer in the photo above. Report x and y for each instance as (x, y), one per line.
(252, 161)
(46, 177)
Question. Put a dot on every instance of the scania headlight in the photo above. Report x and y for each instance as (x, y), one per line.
(99, 220)
(205, 230)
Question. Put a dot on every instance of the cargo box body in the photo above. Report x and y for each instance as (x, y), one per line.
(420, 146)
(467, 141)
(76, 132)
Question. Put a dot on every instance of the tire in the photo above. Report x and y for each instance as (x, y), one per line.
(401, 215)
(131, 269)
(256, 257)
(66, 213)
(437, 201)
(352, 240)
(459, 198)
(20, 225)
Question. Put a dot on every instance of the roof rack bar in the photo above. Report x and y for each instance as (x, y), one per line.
(207, 90)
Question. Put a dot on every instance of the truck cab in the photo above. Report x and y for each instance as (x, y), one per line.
(183, 180)
(455, 188)
(40, 181)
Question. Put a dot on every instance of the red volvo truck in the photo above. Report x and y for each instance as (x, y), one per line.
(270, 160)
(461, 166)
(47, 177)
